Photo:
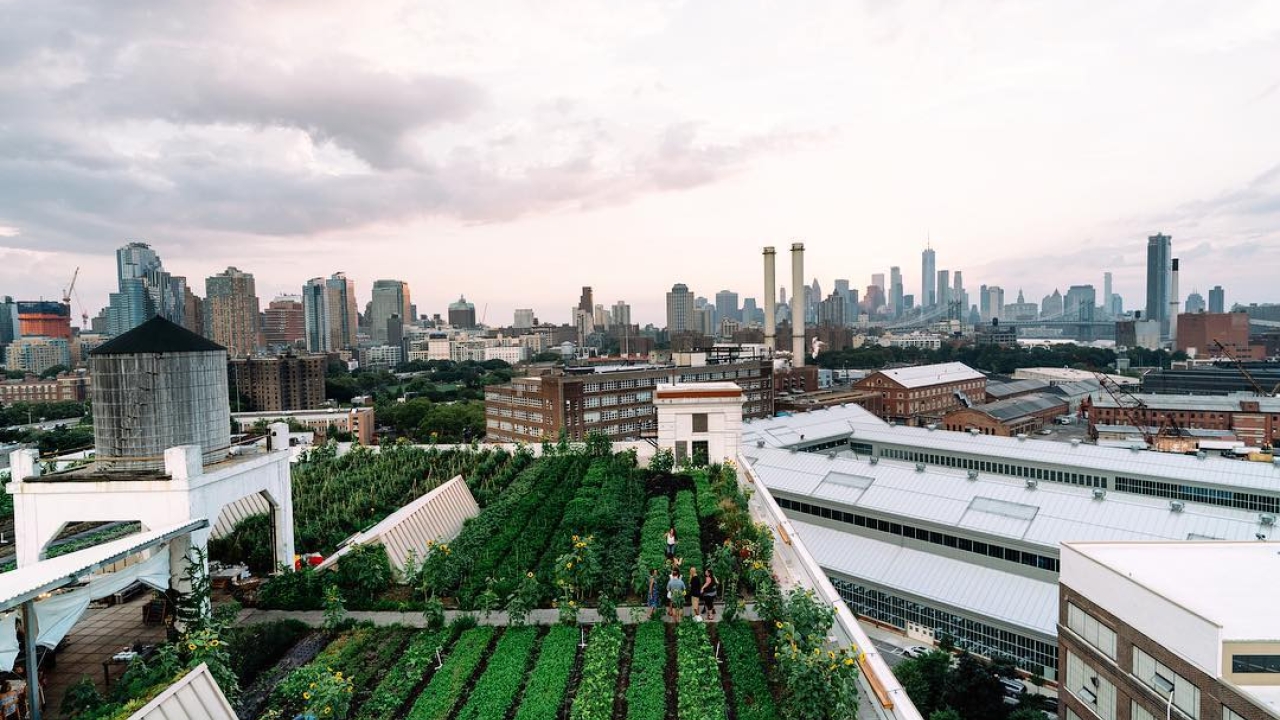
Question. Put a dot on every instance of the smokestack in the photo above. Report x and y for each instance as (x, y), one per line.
(1173, 306)
(770, 299)
(797, 304)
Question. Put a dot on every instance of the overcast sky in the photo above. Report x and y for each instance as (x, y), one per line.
(514, 152)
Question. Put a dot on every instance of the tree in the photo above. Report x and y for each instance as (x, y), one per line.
(925, 680)
(945, 714)
(53, 371)
(974, 691)
(1024, 713)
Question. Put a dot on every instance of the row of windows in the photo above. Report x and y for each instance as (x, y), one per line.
(1000, 468)
(1032, 654)
(1089, 628)
(1255, 663)
(1225, 498)
(999, 552)
(1159, 677)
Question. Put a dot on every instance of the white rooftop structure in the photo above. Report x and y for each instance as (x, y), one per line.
(1053, 375)
(937, 374)
(803, 428)
(1206, 403)
(1203, 601)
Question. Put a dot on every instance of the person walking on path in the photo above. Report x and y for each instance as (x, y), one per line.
(671, 543)
(695, 591)
(654, 589)
(675, 596)
(710, 589)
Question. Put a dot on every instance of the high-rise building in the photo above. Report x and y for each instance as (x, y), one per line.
(9, 325)
(287, 382)
(390, 306)
(943, 297)
(877, 279)
(231, 311)
(585, 301)
(727, 305)
(1106, 293)
(283, 323)
(193, 312)
(831, 311)
(524, 318)
(621, 314)
(44, 318)
(994, 302)
(329, 310)
(895, 291)
(680, 307)
(144, 290)
(928, 274)
(1051, 306)
(750, 312)
(1217, 299)
(1159, 278)
(1195, 302)
(1079, 303)
(37, 354)
(462, 314)
(958, 295)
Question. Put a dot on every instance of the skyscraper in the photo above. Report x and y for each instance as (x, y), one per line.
(928, 275)
(1195, 302)
(895, 291)
(994, 302)
(144, 290)
(390, 306)
(586, 302)
(1106, 292)
(1051, 306)
(523, 319)
(943, 296)
(462, 314)
(1217, 299)
(621, 313)
(751, 313)
(329, 310)
(680, 307)
(1079, 302)
(727, 305)
(957, 291)
(1159, 271)
(231, 311)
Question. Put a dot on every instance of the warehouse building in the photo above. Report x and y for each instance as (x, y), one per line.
(1254, 420)
(1008, 418)
(925, 393)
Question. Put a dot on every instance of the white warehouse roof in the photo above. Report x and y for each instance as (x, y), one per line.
(926, 375)
(996, 505)
(791, 429)
(980, 591)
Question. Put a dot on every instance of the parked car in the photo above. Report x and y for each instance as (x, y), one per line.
(1013, 688)
(916, 651)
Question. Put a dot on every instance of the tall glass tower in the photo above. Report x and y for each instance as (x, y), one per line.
(1159, 277)
(928, 276)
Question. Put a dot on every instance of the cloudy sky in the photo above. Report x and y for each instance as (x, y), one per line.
(515, 152)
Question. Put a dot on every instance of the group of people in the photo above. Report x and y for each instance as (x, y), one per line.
(701, 590)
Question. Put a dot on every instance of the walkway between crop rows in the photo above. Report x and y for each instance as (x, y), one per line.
(586, 616)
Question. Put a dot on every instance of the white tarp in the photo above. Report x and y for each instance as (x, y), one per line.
(57, 614)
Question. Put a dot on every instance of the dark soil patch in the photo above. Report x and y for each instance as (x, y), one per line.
(673, 709)
(730, 707)
(475, 676)
(255, 698)
(764, 642)
(379, 659)
(624, 673)
(667, 484)
(571, 689)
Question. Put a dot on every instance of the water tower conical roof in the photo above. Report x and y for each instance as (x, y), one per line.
(157, 335)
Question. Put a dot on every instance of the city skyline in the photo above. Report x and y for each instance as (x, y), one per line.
(382, 155)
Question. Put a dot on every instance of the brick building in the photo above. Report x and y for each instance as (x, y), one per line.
(1169, 629)
(1198, 331)
(924, 393)
(1020, 415)
(1254, 420)
(273, 384)
(615, 400)
(357, 421)
(67, 387)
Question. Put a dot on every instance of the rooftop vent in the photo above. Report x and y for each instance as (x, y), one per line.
(1075, 442)
(831, 455)
(1022, 436)
(1099, 494)
(873, 460)
(973, 431)
(932, 426)
(1200, 454)
(1267, 519)
(759, 443)
(919, 467)
(1032, 483)
(793, 450)
(973, 474)
(844, 404)
(1177, 505)
(1137, 448)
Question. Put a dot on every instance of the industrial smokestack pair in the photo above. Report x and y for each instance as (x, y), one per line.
(797, 302)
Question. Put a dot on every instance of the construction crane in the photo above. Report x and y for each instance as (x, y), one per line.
(1126, 403)
(1245, 371)
(66, 292)
(70, 290)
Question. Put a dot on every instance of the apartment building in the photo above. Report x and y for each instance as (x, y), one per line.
(274, 384)
(67, 387)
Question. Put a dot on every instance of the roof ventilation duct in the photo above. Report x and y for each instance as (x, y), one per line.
(1177, 505)
(1099, 494)
(1032, 483)
(920, 467)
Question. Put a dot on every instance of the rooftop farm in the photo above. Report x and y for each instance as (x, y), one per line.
(579, 527)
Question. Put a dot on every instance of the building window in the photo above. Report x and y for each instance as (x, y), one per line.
(1101, 637)
(1157, 676)
(1229, 714)
(1089, 688)
(700, 422)
(1255, 663)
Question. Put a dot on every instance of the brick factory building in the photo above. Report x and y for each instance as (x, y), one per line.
(1254, 420)
(274, 384)
(925, 393)
(1019, 415)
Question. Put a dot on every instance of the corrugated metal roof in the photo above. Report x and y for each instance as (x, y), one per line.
(195, 696)
(816, 424)
(1233, 474)
(997, 505)
(25, 583)
(1001, 390)
(1203, 403)
(1022, 406)
(926, 375)
(972, 589)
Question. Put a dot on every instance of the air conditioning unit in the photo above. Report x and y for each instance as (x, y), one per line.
(1099, 494)
(1177, 505)
(1075, 442)
(973, 474)
(919, 467)
(831, 455)
(1022, 436)
(1267, 519)
(873, 460)
(1032, 483)
(759, 443)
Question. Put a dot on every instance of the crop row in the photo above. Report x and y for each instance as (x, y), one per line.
(653, 542)
(394, 689)
(646, 689)
(497, 687)
(594, 700)
(699, 694)
(540, 525)
(708, 502)
(544, 694)
(494, 472)
(344, 652)
(751, 697)
(684, 515)
(442, 693)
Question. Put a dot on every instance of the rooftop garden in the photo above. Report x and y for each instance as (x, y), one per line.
(579, 528)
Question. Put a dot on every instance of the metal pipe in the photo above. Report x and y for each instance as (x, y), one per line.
(33, 670)
(770, 299)
(797, 304)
